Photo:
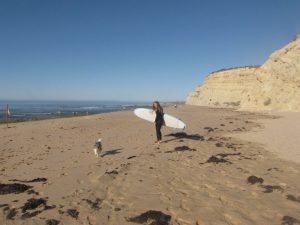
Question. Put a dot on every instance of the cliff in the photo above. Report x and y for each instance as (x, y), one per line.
(273, 86)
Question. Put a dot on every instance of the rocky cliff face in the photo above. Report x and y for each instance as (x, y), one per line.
(273, 86)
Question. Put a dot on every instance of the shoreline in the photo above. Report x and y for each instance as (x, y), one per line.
(15, 120)
(51, 116)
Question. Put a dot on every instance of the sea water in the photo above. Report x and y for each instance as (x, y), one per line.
(30, 110)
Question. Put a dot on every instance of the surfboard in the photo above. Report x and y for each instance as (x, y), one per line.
(149, 115)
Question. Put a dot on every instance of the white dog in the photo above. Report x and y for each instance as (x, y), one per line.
(98, 147)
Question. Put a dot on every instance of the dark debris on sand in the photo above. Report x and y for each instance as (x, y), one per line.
(131, 157)
(230, 145)
(219, 144)
(221, 158)
(14, 188)
(255, 180)
(33, 204)
(31, 191)
(184, 148)
(293, 198)
(112, 172)
(52, 222)
(73, 213)
(94, 204)
(28, 215)
(240, 129)
(10, 213)
(152, 217)
(39, 179)
(183, 135)
(3, 205)
(211, 139)
(216, 160)
(268, 188)
(209, 129)
(223, 155)
(48, 207)
(271, 188)
(288, 220)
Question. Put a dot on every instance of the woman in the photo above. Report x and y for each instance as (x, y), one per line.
(159, 120)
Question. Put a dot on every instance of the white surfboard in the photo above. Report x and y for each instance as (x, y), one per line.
(149, 115)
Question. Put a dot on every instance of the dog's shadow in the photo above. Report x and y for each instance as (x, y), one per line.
(111, 152)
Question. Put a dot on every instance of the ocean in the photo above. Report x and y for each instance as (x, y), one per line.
(34, 110)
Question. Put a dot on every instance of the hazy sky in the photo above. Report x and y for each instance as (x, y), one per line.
(133, 49)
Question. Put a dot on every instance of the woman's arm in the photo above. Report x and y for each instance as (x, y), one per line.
(157, 116)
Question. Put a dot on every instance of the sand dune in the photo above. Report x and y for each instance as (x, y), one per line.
(202, 176)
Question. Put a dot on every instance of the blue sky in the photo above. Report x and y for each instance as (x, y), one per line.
(135, 49)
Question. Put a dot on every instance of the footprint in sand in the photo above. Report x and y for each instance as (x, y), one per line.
(184, 206)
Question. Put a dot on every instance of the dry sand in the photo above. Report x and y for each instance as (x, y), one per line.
(200, 177)
(281, 136)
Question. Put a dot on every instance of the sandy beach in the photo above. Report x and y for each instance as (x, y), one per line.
(216, 172)
(281, 136)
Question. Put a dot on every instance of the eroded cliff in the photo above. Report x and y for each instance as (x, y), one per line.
(273, 86)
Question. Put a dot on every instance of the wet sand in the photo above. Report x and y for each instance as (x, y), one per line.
(50, 175)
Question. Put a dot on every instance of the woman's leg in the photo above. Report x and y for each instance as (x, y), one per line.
(158, 132)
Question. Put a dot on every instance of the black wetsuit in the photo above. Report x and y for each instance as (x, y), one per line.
(159, 121)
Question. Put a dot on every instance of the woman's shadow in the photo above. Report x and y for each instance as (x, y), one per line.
(183, 135)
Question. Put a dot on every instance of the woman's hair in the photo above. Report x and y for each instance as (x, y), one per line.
(159, 108)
